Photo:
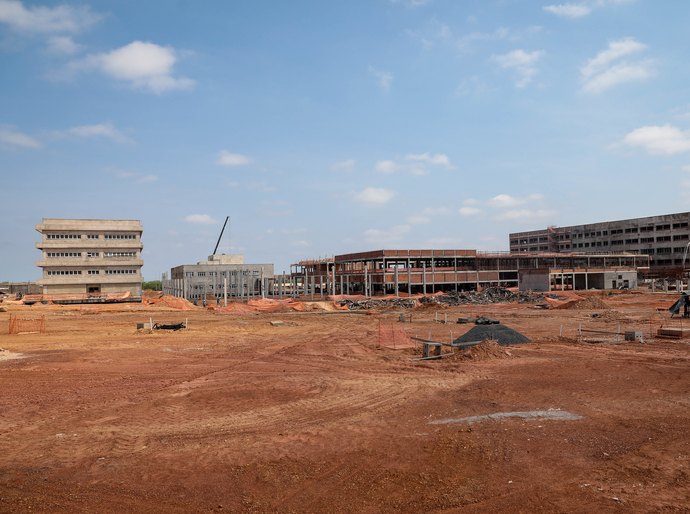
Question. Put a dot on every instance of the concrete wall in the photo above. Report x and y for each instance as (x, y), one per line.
(534, 280)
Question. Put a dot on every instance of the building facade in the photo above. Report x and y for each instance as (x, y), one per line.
(92, 258)
(221, 276)
(664, 239)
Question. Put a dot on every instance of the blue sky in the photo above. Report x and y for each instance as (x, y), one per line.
(324, 127)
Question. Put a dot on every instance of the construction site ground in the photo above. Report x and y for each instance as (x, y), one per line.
(330, 411)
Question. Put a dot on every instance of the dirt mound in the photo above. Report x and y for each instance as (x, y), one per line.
(165, 300)
(501, 334)
(610, 315)
(486, 350)
(324, 306)
(591, 302)
(262, 305)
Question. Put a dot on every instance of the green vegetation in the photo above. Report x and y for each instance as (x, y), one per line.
(153, 285)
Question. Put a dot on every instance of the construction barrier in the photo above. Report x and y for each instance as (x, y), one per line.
(27, 325)
(393, 336)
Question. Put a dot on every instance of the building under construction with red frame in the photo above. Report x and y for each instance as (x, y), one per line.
(428, 271)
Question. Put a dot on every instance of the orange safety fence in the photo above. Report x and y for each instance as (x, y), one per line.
(393, 336)
(20, 325)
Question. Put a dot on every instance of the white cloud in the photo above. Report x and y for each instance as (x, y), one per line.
(106, 130)
(471, 201)
(504, 201)
(343, 166)
(568, 10)
(519, 214)
(580, 9)
(226, 158)
(384, 79)
(438, 159)
(199, 219)
(141, 64)
(615, 50)
(62, 45)
(10, 136)
(374, 196)
(39, 19)
(386, 167)
(659, 140)
(469, 211)
(414, 164)
(521, 63)
(426, 215)
(607, 69)
(388, 236)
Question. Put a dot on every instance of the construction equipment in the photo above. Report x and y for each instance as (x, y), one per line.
(221, 235)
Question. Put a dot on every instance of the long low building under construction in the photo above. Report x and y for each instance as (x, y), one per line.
(428, 271)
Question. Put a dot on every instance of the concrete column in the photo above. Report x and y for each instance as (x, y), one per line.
(366, 281)
(225, 291)
(424, 276)
(397, 291)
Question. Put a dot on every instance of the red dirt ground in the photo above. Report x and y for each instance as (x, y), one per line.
(235, 414)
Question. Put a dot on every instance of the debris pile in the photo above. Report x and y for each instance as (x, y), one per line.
(502, 334)
(358, 305)
(169, 326)
(487, 296)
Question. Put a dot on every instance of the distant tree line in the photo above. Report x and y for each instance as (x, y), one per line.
(153, 285)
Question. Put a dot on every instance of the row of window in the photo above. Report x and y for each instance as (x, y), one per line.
(91, 254)
(119, 254)
(120, 236)
(64, 254)
(90, 236)
(53, 273)
(255, 273)
(63, 236)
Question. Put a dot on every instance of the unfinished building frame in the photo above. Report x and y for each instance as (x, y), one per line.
(429, 271)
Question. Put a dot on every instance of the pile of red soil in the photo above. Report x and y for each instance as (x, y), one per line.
(486, 350)
(165, 300)
(262, 305)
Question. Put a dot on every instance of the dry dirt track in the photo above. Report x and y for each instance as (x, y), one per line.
(237, 415)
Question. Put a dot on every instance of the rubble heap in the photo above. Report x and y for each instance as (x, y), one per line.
(488, 295)
(361, 305)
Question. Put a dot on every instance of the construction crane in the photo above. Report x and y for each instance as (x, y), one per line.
(221, 235)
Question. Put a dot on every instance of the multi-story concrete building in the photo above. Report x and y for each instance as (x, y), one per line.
(664, 238)
(221, 276)
(91, 258)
